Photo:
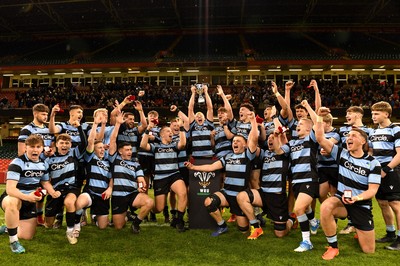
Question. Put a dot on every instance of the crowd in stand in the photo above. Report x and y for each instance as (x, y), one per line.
(357, 92)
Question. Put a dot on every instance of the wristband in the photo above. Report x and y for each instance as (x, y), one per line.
(181, 129)
(273, 117)
(386, 169)
(320, 119)
(146, 132)
(177, 110)
(277, 94)
(359, 198)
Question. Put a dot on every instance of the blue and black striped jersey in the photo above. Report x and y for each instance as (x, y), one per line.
(29, 174)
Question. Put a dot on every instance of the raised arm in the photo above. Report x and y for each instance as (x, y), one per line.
(319, 131)
(143, 122)
(92, 134)
(119, 106)
(82, 145)
(227, 104)
(182, 136)
(263, 133)
(210, 112)
(310, 111)
(53, 129)
(144, 143)
(100, 134)
(253, 134)
(314, 84)
(288, 113)
(279, 131)
(181, 115)
(191, 104)
(114, 134)
(281, 100)
(228, 133)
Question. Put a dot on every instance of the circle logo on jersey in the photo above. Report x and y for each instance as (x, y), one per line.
(46, 136)
(102, 166)
(126, 165)
(233, 161)
(125, 133)
(201, 128)
(356, 169)
(58, 166)
(379, 138)
(297, 148)
(269, 159)
(33, 173)
(204, 181)
(72, 133)
(165, 150)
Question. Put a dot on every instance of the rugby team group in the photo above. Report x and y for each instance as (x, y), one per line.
(111, 163)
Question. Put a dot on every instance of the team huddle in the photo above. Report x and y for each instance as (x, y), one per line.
(277, 166)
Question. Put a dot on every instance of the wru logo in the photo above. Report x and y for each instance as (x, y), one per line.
(204, 180)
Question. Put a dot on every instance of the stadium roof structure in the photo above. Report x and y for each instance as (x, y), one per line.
(166, 21)
(51, 18)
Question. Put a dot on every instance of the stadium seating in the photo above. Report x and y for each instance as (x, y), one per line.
(203, 48)
(7, 153)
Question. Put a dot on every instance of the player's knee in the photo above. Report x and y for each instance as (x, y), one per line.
(149, 203)
(70, 203)
(368, 249)
(326, 208)
(298, 211)
(243, 229)
(182, 196)
(10, 204)
(212, 203)
(280, 229)
(280, 234)
(26, 236)
(158, 209)
(119, 225)
(242, 197)
(84, 200)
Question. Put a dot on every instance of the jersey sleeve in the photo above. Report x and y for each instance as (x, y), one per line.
(14, 171)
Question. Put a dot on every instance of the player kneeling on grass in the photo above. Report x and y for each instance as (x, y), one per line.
(97, 192)
(358, 181)
(63, 165)
(272, 193)
(129, 185)
(167, 175)
(24, 176)
(237, 165)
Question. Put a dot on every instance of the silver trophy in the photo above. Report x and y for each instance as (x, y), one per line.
(199, 91)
